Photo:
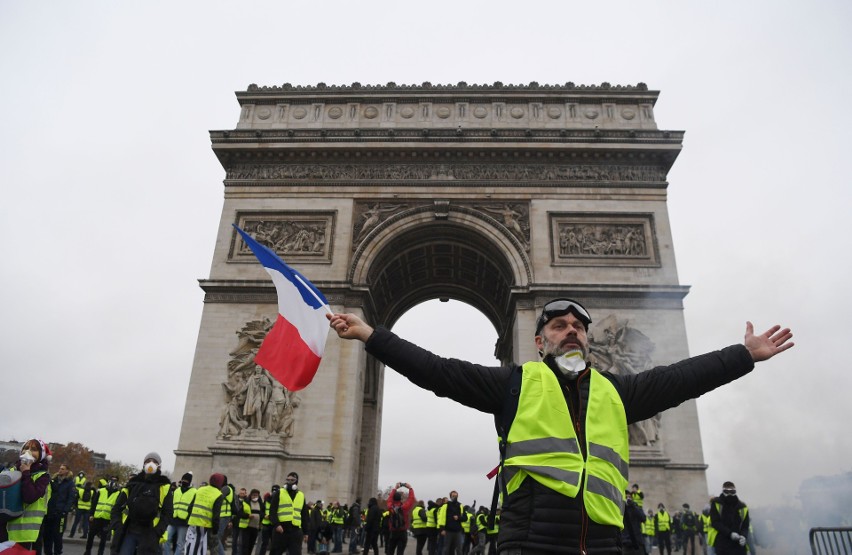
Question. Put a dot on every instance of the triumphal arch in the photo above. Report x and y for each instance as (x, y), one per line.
(500, 196)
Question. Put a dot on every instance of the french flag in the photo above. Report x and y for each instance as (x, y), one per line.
(12, 548)
(294, 346)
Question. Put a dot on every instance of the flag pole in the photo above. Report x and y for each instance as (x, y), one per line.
(297, 276)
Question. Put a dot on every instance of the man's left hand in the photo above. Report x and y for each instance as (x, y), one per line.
(769, 343)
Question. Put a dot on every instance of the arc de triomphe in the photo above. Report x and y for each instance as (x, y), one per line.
(499, 196)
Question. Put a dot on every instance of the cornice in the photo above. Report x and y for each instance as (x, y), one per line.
(443, 135)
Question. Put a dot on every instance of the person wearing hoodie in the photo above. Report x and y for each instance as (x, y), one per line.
(729, 517)
(149, 511)
(35, 490)
(63, 496)
(182, 497)
(571, 503)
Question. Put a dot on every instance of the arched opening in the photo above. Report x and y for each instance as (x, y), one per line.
(434, 443)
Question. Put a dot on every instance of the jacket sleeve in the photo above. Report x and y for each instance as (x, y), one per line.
(33, 490)
(473, 385)
(661, 388)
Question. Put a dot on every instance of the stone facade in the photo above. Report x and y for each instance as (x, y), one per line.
(500, 196)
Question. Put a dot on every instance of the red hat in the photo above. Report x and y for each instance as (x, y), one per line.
(217, 480)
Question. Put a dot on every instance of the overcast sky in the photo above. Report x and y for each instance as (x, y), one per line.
(111, 199)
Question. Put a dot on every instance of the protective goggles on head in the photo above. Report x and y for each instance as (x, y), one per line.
(561, 307)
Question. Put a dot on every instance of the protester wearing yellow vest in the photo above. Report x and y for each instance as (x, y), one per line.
(730, 519)
(35, 494)
(288, 515)
(481, 524)
(432, 527)
(566, 450)
(146, 506)
(662, 529)
(84, 507)
(101, 514)
(418, 526)
(182, 497)
(203, 520)
(648, 531)
(707, 536)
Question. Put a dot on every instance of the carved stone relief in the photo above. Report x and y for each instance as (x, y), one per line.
(603, 239)
(296, 236)
(368, 216)
(493, 172)
(515, 217)
(618, 348)
(257, 407)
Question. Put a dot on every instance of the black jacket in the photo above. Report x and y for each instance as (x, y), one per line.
(534, 516)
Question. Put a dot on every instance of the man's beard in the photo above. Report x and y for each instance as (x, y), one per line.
(566, 346)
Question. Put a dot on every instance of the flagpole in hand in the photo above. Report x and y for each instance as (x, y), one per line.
(349, 326)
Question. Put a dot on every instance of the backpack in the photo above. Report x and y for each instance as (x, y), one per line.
(143, 503)
(689, 520)
(396, 518)
(87, 495)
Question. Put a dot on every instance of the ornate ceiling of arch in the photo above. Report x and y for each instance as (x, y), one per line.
(440, 261)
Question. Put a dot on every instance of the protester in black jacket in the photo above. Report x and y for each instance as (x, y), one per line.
(372, 526)
(535, 517)
(63, 497)
(632, 541)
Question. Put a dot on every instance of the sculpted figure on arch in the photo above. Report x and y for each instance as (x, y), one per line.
(563, 478)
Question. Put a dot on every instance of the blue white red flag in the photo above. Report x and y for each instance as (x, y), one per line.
(12, 548)
(293, 348)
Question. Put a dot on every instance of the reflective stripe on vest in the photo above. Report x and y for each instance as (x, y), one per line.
(542, 443)
(24, 529)
(202, 506)
(180, 502)
(290, 510)
(417, 518)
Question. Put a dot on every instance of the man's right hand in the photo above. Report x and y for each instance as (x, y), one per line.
(349, 326)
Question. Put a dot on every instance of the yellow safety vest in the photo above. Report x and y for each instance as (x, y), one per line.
(648, 526)
(494, 530)
(709, 531)
(542, 443)
(431, 518)
(84, 506)
(265, 520)
(290, 509)
(79, 482)
(106, 501)
(202, 506)
(226, 504)
(481, 523)
(417, 518)
(711, 538)
(164, 491)
(24, 529)
(180, 502)
(244, 520)
(637, 498)
(663, 522)
(465, 524)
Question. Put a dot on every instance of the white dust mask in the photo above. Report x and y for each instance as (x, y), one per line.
(150, 467)
(571, 363)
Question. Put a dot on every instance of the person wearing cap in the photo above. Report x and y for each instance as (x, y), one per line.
(572, 502)
(729, 518)
(182, 496)
(149, 511)
(35, 489)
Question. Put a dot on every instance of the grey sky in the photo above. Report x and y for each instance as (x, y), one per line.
(111, 196)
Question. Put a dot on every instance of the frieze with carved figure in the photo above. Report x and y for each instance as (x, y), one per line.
(603, 239)
(295, 236)
(617, 347)
(257, 406)
(472, 172)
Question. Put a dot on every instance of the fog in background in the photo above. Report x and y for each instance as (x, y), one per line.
(111, 199)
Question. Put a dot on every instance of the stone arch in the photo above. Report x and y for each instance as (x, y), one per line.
(415, 257)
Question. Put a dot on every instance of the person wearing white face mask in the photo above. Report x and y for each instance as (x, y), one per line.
(562, 424)
(149, 511)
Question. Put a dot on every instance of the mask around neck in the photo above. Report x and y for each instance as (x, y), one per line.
(571, 363)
